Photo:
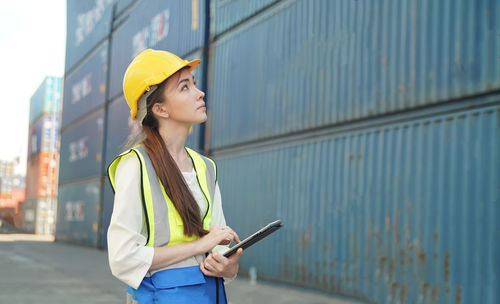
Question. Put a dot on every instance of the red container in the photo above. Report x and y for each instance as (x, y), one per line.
(41, 176)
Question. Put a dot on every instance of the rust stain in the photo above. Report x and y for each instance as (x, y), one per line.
(436, 236)
(402, 253)
(324, 281)
(351, 156)
(458, 295)
(360, 157)
(339, 285)
(387, 223)
(425, 287)
(421, 256)
(435, 292)
(446, 267)
(402, 295)
(394, 289)
(381, 263)
(391, 268)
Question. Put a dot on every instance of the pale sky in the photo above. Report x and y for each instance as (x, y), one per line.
(32, 46)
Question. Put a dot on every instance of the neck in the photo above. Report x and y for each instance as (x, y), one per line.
(174, 136)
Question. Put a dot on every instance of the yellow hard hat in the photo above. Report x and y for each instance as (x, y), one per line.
(149, 68)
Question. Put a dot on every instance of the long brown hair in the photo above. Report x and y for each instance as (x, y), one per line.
(169, 174)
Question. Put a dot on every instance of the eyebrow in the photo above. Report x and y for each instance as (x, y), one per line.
(185, 79)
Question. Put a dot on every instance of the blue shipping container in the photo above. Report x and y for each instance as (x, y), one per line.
(81, 149)
(46, 99)
(88, 23)
(119, 129)
(85, 87)
(77, 212)
(400, 213)
(44, 135)
(177, 26)
(106, 211)
(309, 64)
(225, 14)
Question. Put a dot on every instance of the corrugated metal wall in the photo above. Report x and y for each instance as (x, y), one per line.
(399, 212)
(357, 123)
(311, 64)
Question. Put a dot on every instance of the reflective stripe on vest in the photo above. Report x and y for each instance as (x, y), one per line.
(164, 224)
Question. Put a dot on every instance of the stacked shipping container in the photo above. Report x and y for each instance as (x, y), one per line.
(39, 209)
(370, 128)
(355, 123)
(96, 120)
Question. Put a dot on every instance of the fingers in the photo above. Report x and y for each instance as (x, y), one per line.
(206, 271)
(236, 255)
(213, 265)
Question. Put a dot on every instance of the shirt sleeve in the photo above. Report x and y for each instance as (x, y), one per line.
(129, 258)
(219, 220)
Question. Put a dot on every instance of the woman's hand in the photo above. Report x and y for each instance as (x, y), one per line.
(218, 235)
(217, 265)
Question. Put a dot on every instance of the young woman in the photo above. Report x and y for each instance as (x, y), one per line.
(167, 215)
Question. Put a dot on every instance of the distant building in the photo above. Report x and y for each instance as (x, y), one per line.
(39, 210)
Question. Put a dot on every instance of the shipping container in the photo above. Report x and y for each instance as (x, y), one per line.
(177, 26)
(119, 129)
(45, 216)
(123, 5)
(225, 14)
(107, 210)
(41, 176)
(81, 148)
(396, 213)
(85, 87)
(46, 99)
(28, 215)
(44, 135)
(78, 211)
(88, 24)
(310, 64)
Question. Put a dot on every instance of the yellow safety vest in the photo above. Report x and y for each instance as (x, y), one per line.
(164, 224)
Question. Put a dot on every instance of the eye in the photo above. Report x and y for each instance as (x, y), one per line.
(184, 86)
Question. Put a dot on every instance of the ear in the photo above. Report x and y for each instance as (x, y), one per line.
(160, 110)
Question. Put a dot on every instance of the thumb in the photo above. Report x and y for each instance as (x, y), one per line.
(236, 255)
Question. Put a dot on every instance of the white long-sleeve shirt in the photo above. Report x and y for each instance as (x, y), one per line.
(129, 257)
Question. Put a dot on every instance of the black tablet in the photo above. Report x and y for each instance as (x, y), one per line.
(254, 238)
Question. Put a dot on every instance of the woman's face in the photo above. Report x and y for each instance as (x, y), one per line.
(184, 101)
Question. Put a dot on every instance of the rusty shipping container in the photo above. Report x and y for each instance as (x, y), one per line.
(397, 212)
(41, 176)
(311, 64)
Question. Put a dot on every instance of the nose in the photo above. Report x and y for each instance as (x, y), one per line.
(201, 94)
